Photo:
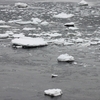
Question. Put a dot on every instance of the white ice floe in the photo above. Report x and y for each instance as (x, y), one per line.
(65, 58)
(53, 92)
(35, 20)
(63, 15)
(78, 40)
(21, 5)
(5, 26)
(44, 23)
(14, 21)
(73, 28)
(3, 36)
(23, 22)
(18, 35)
(71, 24)
(83, 3)
(29, 29)
(29, 42)
(2, 22)
(10, 33)
(57, 41)
(54, 75)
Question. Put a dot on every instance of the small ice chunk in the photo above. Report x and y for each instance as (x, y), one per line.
(18, 35)
(63, 15)
(71, 24)
(2, 22)
(35, 20)
(4, 26)
(21, 5)
(29, 28)
(54, 75)
(65, 58)
(53, 92)
(44, 23)
(83, 3)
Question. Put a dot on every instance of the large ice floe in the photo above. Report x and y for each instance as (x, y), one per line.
(21, 5)
(53, 92)
(63, 15)
(29, 42)
(65, 57)
(83, 3)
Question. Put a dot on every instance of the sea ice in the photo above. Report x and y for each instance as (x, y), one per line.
(53, 92)
(3, 36)
(35, 20)
(21, 5)
(63, 15)
(44, 23)
(29, 28)
(83, 3)
(4, 26)
(18, 35)
(65, 58)
(29, 42)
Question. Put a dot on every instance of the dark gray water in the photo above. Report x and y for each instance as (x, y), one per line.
(26, 73)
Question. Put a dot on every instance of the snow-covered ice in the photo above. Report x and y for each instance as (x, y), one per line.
(65, 57)
(53, 92)
(29, 42)
(83, 3)
(63, 15)
(21, 5)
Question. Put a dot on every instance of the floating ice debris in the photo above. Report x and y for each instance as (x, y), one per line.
(29, 42)
(44, 23)
(68, 43)
(21, 5)
(63, 15)
(73, 28)
(54, 75)
(10, 33)
(71, 24)
(23, 22)
(65, 58)
(14, 21)
(3, 36)
(83, 3)
(57, 41)
(29, 28)
(4, 26)
(93, 43)
(53, 92)
(18, 35)
(35, 21)
(2, 22)
(79, 40)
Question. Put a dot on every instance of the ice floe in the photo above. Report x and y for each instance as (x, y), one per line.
(18, 35)
(29, 28)
(2, 22)
(23, 22)
(63, 15)
(3, 36)
(71, 24)
(54, 75)
(10, 33)
(21, 5)
(29, 42)
(65, 57)
(44, 23)
(53, 92)
(35, 20)
(5, 26)
(83, 3)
